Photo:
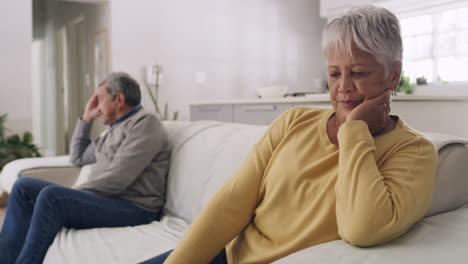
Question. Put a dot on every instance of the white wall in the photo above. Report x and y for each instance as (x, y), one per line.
(15, 63)
(239, 45)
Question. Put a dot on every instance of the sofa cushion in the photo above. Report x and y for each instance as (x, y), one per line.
(222, 147)
(439, 239)
(204, 155)
(451, 181)
(84, 174)
(131, 244)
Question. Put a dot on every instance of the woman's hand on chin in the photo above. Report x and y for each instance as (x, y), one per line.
(375, 112)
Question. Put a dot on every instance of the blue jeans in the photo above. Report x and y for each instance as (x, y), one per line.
(219, 259)
(37, 210)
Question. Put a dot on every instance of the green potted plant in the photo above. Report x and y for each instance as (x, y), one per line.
(421, 80)
(404, 85)
(14, 146)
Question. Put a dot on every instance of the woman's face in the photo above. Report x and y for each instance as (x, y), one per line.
(353, 80)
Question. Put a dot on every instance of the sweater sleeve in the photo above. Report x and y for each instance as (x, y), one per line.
(378, 201)
(81, 146)
(232, 207)
(142, 142)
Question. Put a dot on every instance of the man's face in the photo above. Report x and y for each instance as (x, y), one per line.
(107, 107)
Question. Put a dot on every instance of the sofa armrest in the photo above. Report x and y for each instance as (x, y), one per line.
(451, 180)
(65, 176)
(55, 169)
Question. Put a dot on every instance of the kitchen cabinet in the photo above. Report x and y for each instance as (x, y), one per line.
(252, 110)
(313, 105)
(216, 112)
(258, 114)
(440, 114)
(445, 117)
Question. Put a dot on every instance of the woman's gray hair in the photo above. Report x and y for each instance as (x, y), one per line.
(121, 82)
(373, 29)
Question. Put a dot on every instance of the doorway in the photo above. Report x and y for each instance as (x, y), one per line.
(63, 65)
(70, 73)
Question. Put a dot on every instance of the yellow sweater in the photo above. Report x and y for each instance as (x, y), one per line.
(296, 189)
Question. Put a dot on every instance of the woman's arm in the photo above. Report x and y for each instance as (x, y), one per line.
(232, 208)
(379, 202)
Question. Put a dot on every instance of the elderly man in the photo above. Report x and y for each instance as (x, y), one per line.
(126, 186)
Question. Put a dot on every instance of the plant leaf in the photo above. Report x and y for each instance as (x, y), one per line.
(175, 116)
(165, 112)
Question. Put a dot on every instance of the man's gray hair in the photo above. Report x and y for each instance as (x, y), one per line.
(373, 29)
(121, 82)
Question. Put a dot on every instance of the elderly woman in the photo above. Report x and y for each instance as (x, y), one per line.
(353, 172)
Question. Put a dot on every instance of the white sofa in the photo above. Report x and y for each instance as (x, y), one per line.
(204, 154)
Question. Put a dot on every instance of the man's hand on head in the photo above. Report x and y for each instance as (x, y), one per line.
(91, 111)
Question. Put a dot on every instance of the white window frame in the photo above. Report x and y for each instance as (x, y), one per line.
(437, 87)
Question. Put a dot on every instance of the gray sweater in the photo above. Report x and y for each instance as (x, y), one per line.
(131, 160)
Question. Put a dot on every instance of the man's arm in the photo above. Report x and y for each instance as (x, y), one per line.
(144, 139)
(81, 146)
